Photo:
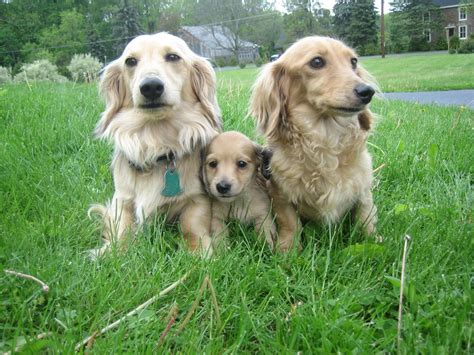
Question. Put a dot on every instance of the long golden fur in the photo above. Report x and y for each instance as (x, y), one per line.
(160, 100)
(232, 173)
(311, 107)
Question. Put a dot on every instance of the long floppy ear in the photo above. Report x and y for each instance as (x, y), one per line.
(112, 88)
(366, 119)
(202, 170)
(269, 100)
(264, 156)
(203, 81)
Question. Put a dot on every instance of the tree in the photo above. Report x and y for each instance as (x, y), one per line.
(355, 22)
(125, 26)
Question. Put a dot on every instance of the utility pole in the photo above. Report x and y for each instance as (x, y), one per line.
(382, 30)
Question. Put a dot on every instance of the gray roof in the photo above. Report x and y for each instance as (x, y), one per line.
(443, 3)
(215, 37)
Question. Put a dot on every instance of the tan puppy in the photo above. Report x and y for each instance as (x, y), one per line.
(161, 110)
(311, 106)
(233, 177)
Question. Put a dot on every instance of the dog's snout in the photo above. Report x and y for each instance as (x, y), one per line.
(152, 88)
(223, 187)
(364, 93)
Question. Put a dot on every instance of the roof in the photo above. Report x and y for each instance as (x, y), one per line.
(215, 37)
(444, 3)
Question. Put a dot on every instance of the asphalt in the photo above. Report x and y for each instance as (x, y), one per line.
(444, 98)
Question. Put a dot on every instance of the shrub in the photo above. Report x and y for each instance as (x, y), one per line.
(258, 62)
(454, 44)
(441, 44)
(5, 76)
(84, 68)
(39, 70)
(242, 65)
(467, 46)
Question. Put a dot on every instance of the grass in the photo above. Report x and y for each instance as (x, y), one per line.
(339, 295)
(410, 73)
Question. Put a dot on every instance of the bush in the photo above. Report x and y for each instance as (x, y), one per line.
(441, 44)
(5, 76)
(258, 62)
(39, 70)
(467, 46)
(242, 65)
(84, 68)
(454, 44)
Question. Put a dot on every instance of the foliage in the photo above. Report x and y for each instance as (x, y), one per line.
(5, 76)
(454, 44)
(39, 70)
(84, 68)
(355, 22)
(441, 44)
(242, 65)
(259, 62)
(125, 26)
(467, 46)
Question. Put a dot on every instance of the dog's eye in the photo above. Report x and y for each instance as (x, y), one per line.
(131, 62)
(317, 62)
(354, 63)
(213, 164)
(171, 57)
(241, 164)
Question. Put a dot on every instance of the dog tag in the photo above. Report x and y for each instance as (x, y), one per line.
(172, 186)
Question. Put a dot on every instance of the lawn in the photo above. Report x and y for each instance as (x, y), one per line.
(431, 72)
(340, 294)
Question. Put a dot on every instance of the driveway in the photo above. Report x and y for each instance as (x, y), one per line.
(444, 98)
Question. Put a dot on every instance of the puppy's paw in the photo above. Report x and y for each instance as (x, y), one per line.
(96, 254)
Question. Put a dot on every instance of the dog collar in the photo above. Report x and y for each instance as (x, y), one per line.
(168, 157)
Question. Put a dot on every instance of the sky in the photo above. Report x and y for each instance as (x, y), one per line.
(329, 4)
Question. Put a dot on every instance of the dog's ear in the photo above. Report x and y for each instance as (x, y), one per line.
(203, 81)
(264, 156)
(269, 99)
(112, 88)
(366, 119)
(202, 170)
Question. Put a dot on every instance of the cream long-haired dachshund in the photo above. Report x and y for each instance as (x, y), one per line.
(311, 105)
(234, 173)
(161, 110)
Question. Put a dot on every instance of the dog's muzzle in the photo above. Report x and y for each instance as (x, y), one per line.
(364, 93)
(152, 89)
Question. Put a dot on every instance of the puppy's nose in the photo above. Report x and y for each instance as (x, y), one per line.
(364, 92)
(152, 88)
(223, 187)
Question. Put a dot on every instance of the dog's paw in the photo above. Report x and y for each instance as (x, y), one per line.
(96, 254)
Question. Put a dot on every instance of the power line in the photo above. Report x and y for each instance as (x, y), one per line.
(123, 38)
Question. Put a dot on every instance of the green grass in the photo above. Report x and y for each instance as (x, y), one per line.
(338, 295)
(430, 72)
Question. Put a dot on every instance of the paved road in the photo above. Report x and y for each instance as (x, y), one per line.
(445, 98)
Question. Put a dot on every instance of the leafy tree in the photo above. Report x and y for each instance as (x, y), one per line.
(355, 22)
(125, 26)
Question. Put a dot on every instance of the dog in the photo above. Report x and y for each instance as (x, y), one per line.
(161, 110)
(311, 105)
(234, 175)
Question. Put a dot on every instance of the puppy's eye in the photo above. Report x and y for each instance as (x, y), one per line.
(213, 164)
(354, 63)
(131, 62)
(317, 63)
(241, 164)
(171, 57)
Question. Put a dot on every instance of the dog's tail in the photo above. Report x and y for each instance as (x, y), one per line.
(98, 209)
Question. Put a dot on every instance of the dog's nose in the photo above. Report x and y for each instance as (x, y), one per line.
(223, 187)
(152, 88)
(364, 92)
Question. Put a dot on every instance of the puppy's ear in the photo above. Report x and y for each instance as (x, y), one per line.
(270, 98)
(264, 156)
(112, 88)
(203, 81)
(202, 171)
(366, 119)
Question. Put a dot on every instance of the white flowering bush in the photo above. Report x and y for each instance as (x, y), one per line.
(5, 76)
(39, 70)
(84, 68)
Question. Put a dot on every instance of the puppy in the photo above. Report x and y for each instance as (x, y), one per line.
(161, 110)
(233, 173)
(311, 105)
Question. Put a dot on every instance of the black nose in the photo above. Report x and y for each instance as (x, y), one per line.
(223, 187)
(364, 92)
(152, 88)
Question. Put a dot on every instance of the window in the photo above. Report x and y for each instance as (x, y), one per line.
(462, 14)
(427, 35)
(426, 16)
(463, 32)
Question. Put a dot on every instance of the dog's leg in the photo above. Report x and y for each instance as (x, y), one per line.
(366, 213)
(195, 220)
(219, 229)
(287, 220)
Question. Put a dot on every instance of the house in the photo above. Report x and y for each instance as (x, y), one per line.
(457, 19)
(218, 43)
